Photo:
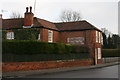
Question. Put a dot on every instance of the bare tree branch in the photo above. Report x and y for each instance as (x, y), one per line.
(69, 16)
(15, 15)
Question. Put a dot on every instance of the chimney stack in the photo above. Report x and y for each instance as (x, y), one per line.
(28, 17)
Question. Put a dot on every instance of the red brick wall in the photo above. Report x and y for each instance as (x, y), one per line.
(28, 19)
(90, 39)
(44, 35)
(65, 35)
(56, 37)
(18, 66)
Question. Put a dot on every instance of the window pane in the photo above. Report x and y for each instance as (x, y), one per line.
(99, 53)
(50, 36)
(99, 37)
(10, 35)
(38, 36)
(96, 36)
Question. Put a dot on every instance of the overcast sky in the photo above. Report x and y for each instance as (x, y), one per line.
(100, 13)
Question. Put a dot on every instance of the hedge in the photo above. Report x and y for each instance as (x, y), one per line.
(14, 50)
(110, 53)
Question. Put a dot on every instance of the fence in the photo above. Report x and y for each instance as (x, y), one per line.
(110, 59)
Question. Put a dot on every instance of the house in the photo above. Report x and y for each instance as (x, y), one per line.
(79, 32)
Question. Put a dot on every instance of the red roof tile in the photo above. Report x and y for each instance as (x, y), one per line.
(78, 25)
(63, 26)
(12, 23)
(44, 23)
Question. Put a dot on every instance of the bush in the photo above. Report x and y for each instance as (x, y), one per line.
(110, 53)
(27, 50)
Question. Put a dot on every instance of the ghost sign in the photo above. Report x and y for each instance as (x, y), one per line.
(76, 40)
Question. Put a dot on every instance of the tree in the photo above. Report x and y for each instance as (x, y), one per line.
(110, 43)
(104, 40)
(116, 40)
(70, 16)
(15, 15)
(106, 32)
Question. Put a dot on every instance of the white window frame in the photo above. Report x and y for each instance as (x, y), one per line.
(102, 39)
(39, 36)
(99, 37)
(10, 35)
(50, 36)
(99, 53)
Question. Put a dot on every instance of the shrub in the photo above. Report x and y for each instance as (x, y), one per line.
(27, 50)
(110, 53)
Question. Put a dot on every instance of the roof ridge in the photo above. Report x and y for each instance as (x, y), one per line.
(70, 22)
(44, 20)
(93, 26)
(13, 18)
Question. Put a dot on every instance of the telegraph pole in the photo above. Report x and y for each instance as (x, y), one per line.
(34, 5)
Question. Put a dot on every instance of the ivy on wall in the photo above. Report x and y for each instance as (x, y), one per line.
(4, 34)
(24, 34)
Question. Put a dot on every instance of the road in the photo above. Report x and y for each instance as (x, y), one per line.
(104, 72)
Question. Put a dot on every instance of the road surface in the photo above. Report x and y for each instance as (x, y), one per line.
(104, 72)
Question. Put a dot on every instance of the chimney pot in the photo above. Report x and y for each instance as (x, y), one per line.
(28, 17)
(30, 9)
(26, 9)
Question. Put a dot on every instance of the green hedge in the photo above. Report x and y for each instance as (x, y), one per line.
(110, 53)
(15, 51)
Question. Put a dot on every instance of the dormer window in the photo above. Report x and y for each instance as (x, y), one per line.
(10, 35)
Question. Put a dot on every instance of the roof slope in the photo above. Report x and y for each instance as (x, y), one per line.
(78, 25)
(19, 23)
(41, 23)
(44, 23)
(12, 23)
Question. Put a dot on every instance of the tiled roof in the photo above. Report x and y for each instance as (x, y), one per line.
(12, 23)
(63, 26)
(18, 23)
(46, 24)
(78, 25)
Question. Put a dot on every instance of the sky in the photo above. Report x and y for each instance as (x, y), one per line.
(100, 13)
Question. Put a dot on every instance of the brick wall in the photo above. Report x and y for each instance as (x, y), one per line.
(90, 40)
(65, 35)
(18, 66)
(44, 35)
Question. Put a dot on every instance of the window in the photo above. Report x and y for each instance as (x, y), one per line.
(50, 36)
(10, 35)
(38, 36)
(99, 53)
(98, 37)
